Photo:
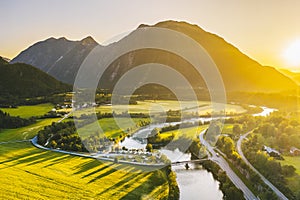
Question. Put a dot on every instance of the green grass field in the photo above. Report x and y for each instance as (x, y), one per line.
(153, 107)
(110, 127)
(24, 133)
(165, 105)
(191, 132)
(31, 173)
(29, 111)
(294, 181)
(227, 129)
(292, 160)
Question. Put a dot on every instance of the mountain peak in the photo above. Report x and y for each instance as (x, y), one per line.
(4, 60)
(62, 38)
(88, 40)
(53, 39)
(173, 24)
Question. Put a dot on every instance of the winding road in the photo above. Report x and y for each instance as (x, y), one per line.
(225, 166)
(239, 149)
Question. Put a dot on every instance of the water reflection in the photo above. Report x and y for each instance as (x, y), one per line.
(196, 183)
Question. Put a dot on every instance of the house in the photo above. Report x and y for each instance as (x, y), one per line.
(271, 152)
(294, 151)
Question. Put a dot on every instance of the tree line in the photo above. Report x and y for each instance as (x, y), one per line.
(7, 121)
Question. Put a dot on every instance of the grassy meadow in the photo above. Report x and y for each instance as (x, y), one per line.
(293, 181)
(24, 133)
(29, 111)
(110, 126)
(165, 105)
(158, 106)
(292, 160)
(191, 132)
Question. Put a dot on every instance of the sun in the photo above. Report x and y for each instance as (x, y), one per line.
(292, 54)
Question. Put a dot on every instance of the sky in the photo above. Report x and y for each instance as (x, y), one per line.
(265, 30)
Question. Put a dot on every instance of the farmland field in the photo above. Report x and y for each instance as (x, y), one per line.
(165, 105)
(31, 173)
(153, 107)
(29, 111)
(191, 132)
(110, 127)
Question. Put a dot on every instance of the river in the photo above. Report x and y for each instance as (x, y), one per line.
(194, 183)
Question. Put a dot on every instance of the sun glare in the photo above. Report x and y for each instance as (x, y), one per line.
(292, 54)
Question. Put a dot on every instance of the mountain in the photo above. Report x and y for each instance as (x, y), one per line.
(5, 59)
(295, 76)
(61, 58)
(239, 72)
(22, 80)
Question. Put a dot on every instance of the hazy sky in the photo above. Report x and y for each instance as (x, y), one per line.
(263, 29)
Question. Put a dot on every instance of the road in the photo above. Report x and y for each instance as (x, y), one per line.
(66, 116)
(239, 149)
(225, 166)
(103, 157)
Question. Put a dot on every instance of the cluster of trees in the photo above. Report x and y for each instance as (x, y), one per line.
(280, 132)
(196, 149)
(246, 122)
(174, 192)
(178, 126)
(268, 166)
(61, 136)
(175, 116)
(227, 146)
(97, 142)
(7, 121)
(157, 141)
(228, 189)
(12, 101)
(65, 137)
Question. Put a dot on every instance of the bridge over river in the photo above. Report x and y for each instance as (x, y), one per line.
(189, 161)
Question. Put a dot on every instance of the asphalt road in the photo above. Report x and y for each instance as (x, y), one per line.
(239, 149)
(225, 166)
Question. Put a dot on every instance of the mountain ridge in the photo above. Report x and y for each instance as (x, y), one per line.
(60, 57)
(239, 71)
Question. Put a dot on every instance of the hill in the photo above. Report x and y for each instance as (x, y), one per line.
(22, 80)
(295, 76)
(62, 58)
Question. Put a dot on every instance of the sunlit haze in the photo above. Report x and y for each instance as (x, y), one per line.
(261, 29)
(292, 54)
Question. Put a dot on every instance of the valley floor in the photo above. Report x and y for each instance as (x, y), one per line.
(31, 173)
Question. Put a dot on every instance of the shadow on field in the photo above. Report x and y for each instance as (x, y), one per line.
(87, 166)
(126, 181)
(69, 174)
(28, 155)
